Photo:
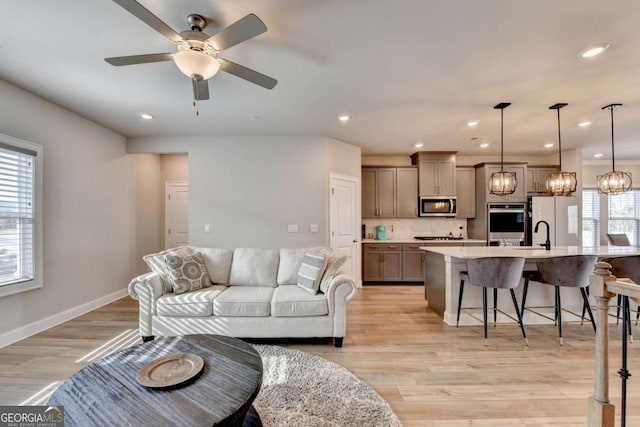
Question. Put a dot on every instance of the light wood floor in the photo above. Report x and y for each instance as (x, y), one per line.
(431, 374)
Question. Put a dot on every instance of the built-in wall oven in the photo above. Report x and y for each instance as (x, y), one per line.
(506, 224)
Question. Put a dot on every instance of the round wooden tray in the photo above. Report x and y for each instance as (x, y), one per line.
(171, 371)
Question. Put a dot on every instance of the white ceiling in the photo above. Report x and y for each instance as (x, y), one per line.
(405, 70)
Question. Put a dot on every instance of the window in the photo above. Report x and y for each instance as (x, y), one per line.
(20, 218)
(590, 217)
(624, 214)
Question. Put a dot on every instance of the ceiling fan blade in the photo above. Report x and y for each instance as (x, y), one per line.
(200, 89)
(142, 13)
(248, 74)
(241, 30)
(139, 59)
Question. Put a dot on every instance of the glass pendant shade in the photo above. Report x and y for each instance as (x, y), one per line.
(560, 183)
(195, 63)
(502, 183)
(613, 182)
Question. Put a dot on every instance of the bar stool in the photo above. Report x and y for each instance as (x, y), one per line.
(565, 271)
(621, 239)
(496, 273)
(629, 267)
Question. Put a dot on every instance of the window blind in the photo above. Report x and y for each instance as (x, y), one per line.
(17, 175)
(624, 214)
(590, 217)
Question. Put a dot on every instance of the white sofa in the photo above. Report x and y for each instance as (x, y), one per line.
(253, 295)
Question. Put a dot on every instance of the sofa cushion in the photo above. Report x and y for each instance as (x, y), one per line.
(290, 261)
(244, 301)
(310, 273)
(254, 267)
(194, 303)
(218, 262)
(157, 264)
(292, 301)
(187, 272)
(334, 262)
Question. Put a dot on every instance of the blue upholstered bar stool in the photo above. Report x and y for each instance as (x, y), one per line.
(565, 271)
(626, 267)
(496, 273)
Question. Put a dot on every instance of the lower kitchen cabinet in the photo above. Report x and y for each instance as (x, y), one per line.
(382, 262)
(412, 263)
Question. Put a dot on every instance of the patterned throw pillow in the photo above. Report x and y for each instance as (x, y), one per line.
(187, 272)
(310, 272)
(333, 267)
(157, 264)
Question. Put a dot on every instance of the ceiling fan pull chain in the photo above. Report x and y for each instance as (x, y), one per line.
(195, 97)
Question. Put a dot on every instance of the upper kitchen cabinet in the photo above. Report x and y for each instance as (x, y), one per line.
(537, 176)
(407, 192)
(389, 192)
(379, 192)
(436, 173)
(484, 171)
(466, 192)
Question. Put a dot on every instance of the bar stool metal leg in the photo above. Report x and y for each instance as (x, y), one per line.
(515, 306)
(495, 307)
(459, 302)
(525, 289)
(559, 314)
(484, 312)
(585, 298)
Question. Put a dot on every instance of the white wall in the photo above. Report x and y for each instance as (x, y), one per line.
(248, 189)
(88, 216)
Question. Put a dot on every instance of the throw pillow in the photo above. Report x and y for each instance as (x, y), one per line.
(310, 273)
(187, 272)
(157, 264)
(333, 267)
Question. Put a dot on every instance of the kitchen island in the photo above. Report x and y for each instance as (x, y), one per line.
(443, 265)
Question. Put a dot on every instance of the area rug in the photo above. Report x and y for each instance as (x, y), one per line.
(300, 389)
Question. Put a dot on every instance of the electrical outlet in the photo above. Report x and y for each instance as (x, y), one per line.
(313, 228)
(207, 228)
(292, 228)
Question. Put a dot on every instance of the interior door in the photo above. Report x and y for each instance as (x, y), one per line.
(176, 215)
(344, 221)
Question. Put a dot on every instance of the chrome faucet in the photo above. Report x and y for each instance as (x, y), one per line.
(547, 243)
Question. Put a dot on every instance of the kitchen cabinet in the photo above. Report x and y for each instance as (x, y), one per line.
(466, 192)
(378, 192)
(406, 192)
(412, 262)
(484, 171)
(537, 176)
(436, 173)
(382, 262)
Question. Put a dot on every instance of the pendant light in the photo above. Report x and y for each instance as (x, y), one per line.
(502, 183)
(613, 182)
(560, 183)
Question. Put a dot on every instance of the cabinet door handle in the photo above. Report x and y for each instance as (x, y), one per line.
(392, 247)
(372, 247)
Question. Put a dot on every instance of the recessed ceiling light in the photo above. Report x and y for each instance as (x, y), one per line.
(584, 124)
(595, 50)
(597, 155)
(146, 116)
(344, 117)
(548, 145)
(419, 145)
(484, 145)
(472, 123)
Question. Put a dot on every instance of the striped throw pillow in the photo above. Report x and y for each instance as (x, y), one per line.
(310, 272)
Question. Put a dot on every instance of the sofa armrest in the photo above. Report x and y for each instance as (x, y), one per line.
(146, 288)
(340, 290)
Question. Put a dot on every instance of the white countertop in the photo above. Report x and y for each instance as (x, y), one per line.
(424, 242)
(468, 252)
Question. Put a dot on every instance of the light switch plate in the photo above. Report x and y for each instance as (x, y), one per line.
(292, 228)
(313, 228)
(207, 228)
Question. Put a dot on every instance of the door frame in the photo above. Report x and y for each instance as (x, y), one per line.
(167, 186)
(358, 208)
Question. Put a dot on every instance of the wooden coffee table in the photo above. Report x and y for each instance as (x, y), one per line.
(106, 392)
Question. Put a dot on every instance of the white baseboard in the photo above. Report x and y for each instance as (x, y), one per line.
(48, 322)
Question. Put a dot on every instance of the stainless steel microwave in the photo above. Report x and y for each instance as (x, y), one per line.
(437, 206)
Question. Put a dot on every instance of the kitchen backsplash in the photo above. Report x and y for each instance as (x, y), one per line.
(406, 228)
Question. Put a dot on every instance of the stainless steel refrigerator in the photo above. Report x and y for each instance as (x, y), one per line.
(562, 215)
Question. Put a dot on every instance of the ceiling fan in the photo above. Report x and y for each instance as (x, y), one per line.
(197, 52)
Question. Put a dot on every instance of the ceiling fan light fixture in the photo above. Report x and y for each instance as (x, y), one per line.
(195, 63)
(613, 182)
(502, 183)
